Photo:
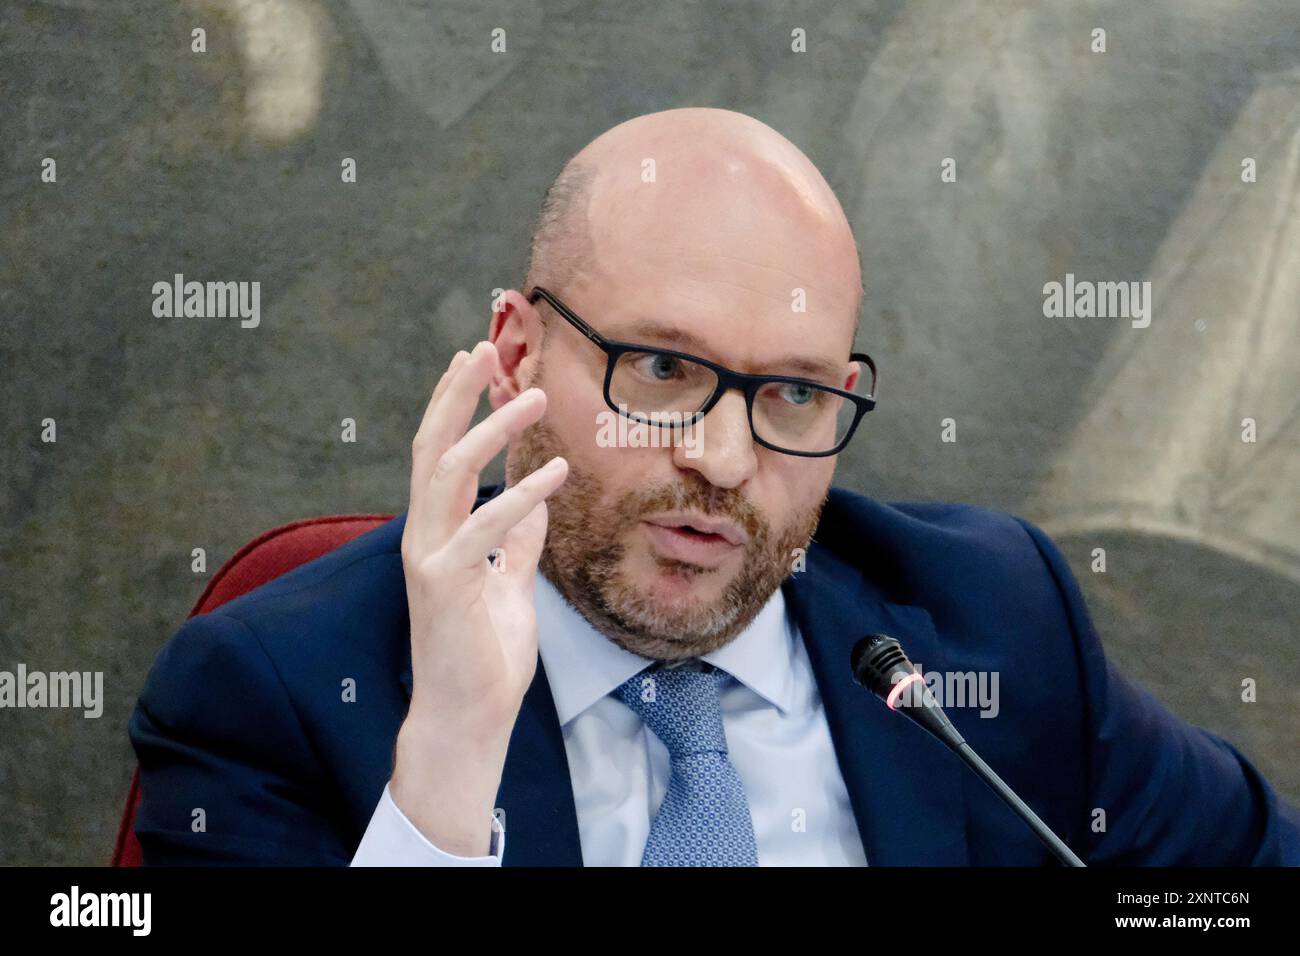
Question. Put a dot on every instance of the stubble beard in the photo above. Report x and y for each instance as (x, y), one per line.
(583, 555)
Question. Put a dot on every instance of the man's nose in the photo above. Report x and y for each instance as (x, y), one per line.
(721, 445)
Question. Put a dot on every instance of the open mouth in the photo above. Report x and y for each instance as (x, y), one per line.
(697, 533)
(687, 543)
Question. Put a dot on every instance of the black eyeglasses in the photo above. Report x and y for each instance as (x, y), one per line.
(667, 389)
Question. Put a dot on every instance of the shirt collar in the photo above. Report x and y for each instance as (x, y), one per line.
(582, 665)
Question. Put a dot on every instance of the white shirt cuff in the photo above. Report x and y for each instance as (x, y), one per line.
(393, 840)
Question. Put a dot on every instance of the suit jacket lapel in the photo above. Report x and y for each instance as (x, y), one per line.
(536, 790)
(905, 787)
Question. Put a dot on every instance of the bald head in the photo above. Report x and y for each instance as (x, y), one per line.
(687, 189)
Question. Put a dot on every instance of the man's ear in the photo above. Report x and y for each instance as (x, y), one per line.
(516, 330)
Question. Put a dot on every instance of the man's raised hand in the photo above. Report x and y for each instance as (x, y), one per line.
(473, 625)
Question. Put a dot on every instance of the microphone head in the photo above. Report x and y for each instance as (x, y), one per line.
(881, 666)
(879, 663)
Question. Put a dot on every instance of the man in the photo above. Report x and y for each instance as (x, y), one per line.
(674, 687)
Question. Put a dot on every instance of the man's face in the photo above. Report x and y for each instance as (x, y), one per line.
(660, 592)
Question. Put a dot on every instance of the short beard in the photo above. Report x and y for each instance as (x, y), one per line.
(583, 551)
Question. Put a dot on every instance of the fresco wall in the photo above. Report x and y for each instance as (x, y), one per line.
(982, 150)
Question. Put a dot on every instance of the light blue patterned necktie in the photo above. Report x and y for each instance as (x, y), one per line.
(704, 818)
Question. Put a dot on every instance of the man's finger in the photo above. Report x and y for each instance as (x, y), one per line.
(456, 475)
(427, 445)
(451, 410)
(487, 527)
(522, 545)
(416, 496)
(441, 387)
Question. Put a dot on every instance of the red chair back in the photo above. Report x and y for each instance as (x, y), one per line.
(266, 557)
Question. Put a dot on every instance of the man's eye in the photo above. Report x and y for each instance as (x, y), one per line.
(797, 394)
(660, 366)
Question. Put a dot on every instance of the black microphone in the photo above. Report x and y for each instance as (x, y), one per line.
(880, 665)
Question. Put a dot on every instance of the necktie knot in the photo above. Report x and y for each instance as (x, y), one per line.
(683, 707)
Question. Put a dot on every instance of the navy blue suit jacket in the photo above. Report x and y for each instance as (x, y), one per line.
(243, 714)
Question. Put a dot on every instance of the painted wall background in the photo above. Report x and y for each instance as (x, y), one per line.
(175, 434)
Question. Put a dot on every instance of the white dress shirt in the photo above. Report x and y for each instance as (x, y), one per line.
(777, 739)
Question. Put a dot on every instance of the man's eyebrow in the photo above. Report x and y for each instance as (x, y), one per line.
(653, 332)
